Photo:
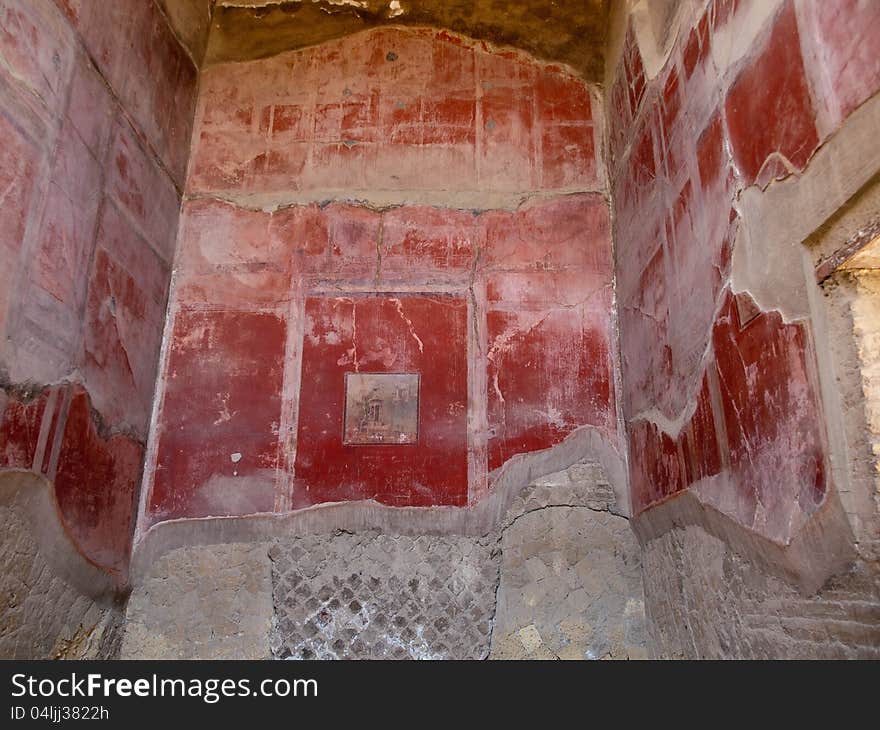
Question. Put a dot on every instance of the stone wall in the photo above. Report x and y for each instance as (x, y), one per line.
(570, 580)
(705, 602)
(202, 603)
(563, 566)
(41, 615)
(54, 604)
(383, 597)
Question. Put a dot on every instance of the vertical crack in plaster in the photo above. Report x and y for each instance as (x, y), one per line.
(398, 305)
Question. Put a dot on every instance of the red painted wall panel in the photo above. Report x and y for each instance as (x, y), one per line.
(546, 264)
(218, 439)
(96, 486)
(409, 112)
(549, 372)
(769, 110)
(842, 53)
(384, 334)
(95, 473)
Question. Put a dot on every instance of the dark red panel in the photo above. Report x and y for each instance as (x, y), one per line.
(407, 334)
(662, 465)
(771, 413)
(657, 468)
(549, 372)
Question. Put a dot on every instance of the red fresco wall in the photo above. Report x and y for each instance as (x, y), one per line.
(712, 384)
(252, 286)
(97, 107)
(504, 308)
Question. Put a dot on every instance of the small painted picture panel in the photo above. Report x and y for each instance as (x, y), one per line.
(381, 408)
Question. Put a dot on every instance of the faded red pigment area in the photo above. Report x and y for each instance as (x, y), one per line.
(384, 334)
(842, 51)
(218, 439)
(125, 310)
(547, 271)
(771, 414)
(137, 53)
(762, 393)
(19, 158)
(98, 100)
(20, 423)
(739, 381)
(549, 373)
(393, 109)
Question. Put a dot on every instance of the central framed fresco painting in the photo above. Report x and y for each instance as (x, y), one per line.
(381, 408)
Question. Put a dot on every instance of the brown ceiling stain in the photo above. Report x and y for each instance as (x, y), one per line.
(566, 31)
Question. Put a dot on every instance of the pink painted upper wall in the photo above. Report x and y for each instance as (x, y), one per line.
(712, 385)
(498, 294)
(96, 114)
(395, 109)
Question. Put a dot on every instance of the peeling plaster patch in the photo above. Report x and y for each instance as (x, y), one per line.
(224, 414)
(731, 42)
(555, 417)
